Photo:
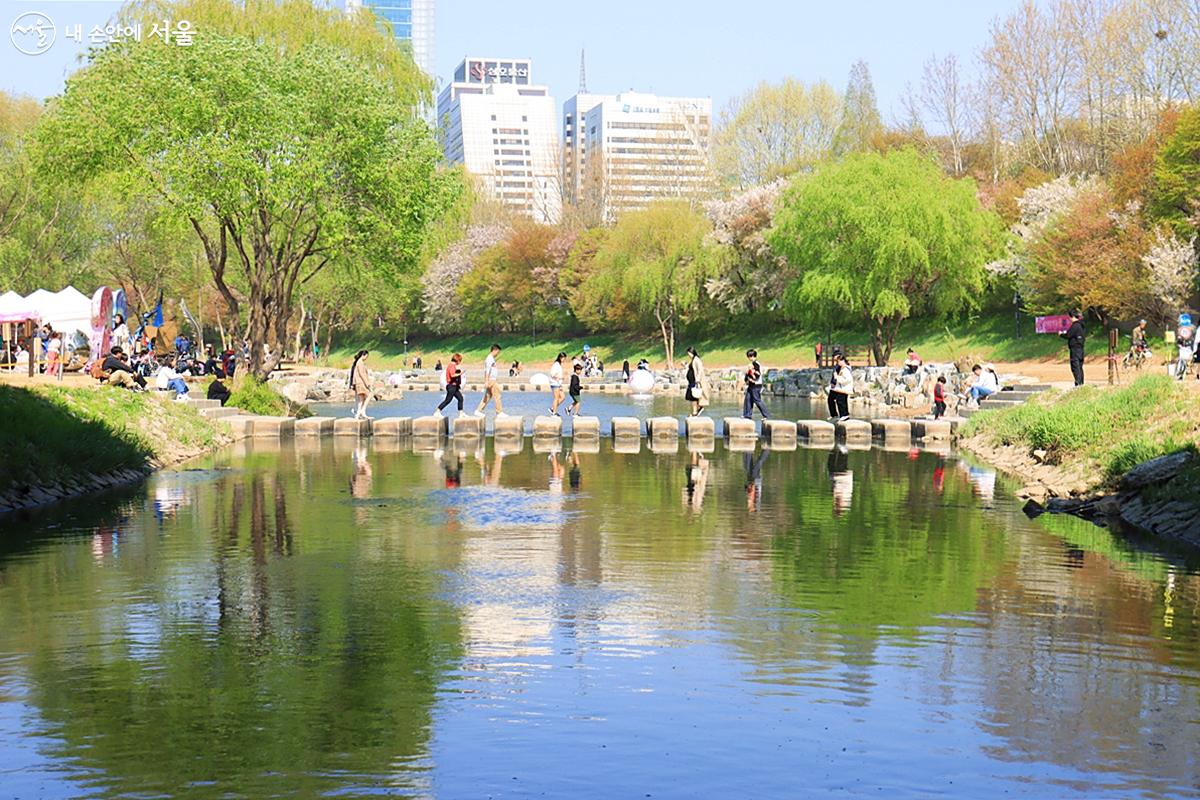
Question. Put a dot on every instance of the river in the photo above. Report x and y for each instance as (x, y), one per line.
(321, 618)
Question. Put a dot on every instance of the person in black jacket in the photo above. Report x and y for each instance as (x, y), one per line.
(116, 365)
(218, 391)
(1075, 336)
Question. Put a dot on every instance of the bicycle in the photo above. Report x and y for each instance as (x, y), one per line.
(1135, 359)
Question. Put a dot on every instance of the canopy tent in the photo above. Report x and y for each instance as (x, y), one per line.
(14, 308)
(67, 311)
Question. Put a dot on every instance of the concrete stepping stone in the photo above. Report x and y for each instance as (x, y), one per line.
(221, 413)
(585, 428)
(627, 444)
(740, 428)
(431, 426)
(932, 429)
(779, 431)
(273, 427)
(510, 427)
(349, 426)
(392, 426)
(662, 427)
(892, 430)
(626, 428)
(700, 428)
(469, 426)
(816, 430)
(546, 426)
(240, 424)
(314, 426)
(853, 430)
(200, 403)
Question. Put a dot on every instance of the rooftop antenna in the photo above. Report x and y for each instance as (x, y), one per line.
(582, 73)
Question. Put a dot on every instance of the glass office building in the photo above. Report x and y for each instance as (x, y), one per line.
(411, 20)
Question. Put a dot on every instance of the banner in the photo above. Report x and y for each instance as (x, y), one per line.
(102, 315)
(1055, 324)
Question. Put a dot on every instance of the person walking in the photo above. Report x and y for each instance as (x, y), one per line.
(754, 387)
(625, 373)
(491, 385)
(453, 374)
(1075, 338)
(841, 385)
(360, 384)
(939, 397)
(576, 390)
(697, 383)
(556, 384)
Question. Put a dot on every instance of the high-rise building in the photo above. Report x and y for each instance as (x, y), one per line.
(412, 21)
(622, 151)
(499, 124)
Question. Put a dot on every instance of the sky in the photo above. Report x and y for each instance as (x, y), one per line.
(699, 48)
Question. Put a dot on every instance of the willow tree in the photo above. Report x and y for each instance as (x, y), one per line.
(880, 238)
(284, 154)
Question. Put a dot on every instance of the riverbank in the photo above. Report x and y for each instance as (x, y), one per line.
(1102, 452)
(62, 441)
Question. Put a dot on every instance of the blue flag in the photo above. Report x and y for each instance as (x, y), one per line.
(158, 318)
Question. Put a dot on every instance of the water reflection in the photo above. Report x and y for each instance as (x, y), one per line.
(328, 618)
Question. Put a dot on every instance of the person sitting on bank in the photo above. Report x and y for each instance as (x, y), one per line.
(985, 383)
(515, 369)
(119, 372)
(912, 362)
(218, 391)
(167, 379)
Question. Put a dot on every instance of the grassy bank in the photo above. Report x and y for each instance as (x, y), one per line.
(990, 337)
(54, 434)
(1098, 432)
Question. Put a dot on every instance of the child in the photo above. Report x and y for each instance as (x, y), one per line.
(939, 397)
(576, 388)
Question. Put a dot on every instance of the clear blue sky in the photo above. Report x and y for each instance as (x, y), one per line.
(694, 48)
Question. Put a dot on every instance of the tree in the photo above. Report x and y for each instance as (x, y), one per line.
(656, 260)
(860, 121)
(440, 299)
(512, 283)
(281, 162)
(1175, 198)
(944, 98)
(880, 238)
(775, 129)
(749, 277)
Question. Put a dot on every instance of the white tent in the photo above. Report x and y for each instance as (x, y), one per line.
(67, 311)
(14, 308)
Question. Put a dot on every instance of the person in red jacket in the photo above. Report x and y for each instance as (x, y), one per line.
(453, 373)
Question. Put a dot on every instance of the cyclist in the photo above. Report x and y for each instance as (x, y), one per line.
(1185, 338)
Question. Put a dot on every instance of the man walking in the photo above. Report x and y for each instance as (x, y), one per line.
(754, 387)
(1075, 336)
(491, 385)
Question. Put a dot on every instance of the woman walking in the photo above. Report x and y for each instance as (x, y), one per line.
(556, 384)
(360, 384)
(841, 385)
(697, 382)
(453, 385)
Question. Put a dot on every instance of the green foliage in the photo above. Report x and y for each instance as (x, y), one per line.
(514, 285)
(255, 396)
(860, 123)
(1175, 197)
(882, 238)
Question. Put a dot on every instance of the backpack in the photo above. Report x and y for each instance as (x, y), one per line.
(1184, 334)
(97, 370)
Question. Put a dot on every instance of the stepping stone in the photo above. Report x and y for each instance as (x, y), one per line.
(892, 430)
(853, 430)
(662, 427)
(626, 427)
(349, 426)
(221, 413)
(932, 429)
(779, 431)
(240, 424)
(511, 427)
(547, 444)
(627, 444)
(700, 427)
(815, 430)
(392, 426)
(546, 426)
(273, 427)
(585, 428)
(740, 428)
(431, 426)
(664, 444)
(203, 402)
(469, 426)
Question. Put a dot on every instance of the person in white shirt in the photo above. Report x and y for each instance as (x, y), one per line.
(556, 384)
(841, 386)
(986, 383)
(167, 379)
(491, 385)
(120, 334)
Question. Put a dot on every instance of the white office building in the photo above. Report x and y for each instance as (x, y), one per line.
(626, 150)
(412, 22)
(499, 124)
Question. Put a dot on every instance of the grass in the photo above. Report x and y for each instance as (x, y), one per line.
(1112, 428)
(253, 396)
(57, 434)
(988, 337)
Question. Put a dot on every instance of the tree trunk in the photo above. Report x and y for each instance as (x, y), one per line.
(667, 325)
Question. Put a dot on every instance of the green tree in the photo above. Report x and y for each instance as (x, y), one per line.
(861, 122)
(1175, 195)
(657, 260)
(281, 161)
(881, 238)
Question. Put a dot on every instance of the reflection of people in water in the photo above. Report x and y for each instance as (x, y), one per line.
(983, 484)
(491, 475)
(556, 474)
(753, 467)
(360, 479)
(697, 482)
(842, 478)
(453, 466)
(939, 476)
(574, 476)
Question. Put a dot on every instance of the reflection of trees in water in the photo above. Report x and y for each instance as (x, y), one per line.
(317, 673)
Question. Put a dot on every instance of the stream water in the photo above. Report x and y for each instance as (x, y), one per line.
(320, 618)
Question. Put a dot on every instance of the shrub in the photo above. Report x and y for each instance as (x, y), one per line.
(256, 397)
